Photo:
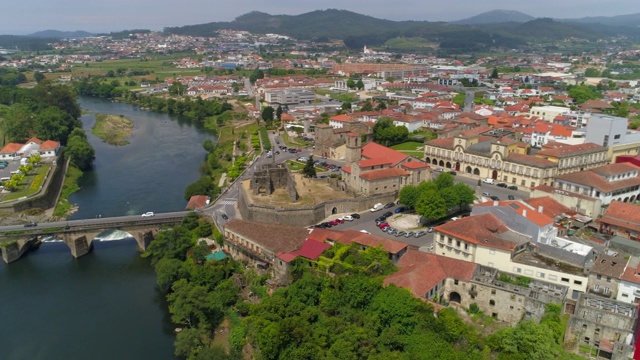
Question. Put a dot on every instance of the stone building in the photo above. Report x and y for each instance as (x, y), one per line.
(603, 324)
(331, 142)
(605, 275)
(621, 219)
(273, 176)
(572, 158)
(376, 169)
(258, 243)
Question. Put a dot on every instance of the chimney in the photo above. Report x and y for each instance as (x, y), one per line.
(540, 209)
(524, 212)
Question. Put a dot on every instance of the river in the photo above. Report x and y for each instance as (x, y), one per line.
(104, 305)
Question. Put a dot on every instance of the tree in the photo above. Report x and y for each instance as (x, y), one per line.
(190, 341)
(431, 205)
(38, 76)
(203, 186)
(465, 194)
(367, 106)
(18, 123)
(169, 271)
(279, 113)
(592, 72)
(309, 169)
(53, 124)
(494, 74)
(267, 114)
(25, 169)
(79, 150)
(360, 84)
(346, 106)
(177, 88)
(582, 93)
(34, 160)
(171, 244)
(409, 195)
(351, 84)
(443, 181)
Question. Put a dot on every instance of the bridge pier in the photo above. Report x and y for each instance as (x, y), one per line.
(143, 238)
(12, 251)
(79, 246)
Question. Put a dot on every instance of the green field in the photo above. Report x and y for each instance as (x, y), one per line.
(409, 43)
(410, 148)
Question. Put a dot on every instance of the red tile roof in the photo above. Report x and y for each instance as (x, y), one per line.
(347, 169)
(569, 150)
(621, 214)
(34, 140)
(273, 237)
(49, 145)
(530, 160)
(197, 202)
(351, 236)
(383, 174)
(446, 143)
(373, 162)
(414, 165)
(310, 249)
(480, 230)
(632, 271)
(420, 271)
(11, 148)
(550, 207)
(376, 151)
(592, 179)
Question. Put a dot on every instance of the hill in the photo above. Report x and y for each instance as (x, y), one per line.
(619, 20)
(25, 42)
(495, 16)
(545, 28)
(56, 34)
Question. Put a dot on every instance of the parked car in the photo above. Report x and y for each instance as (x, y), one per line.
(365, 231)
(355, 216)
(495, 198)
(488, 181)
(381, 219)
(454, 218)
(430, 230)
(224, 216)
(383, 225)
(391, 230)
(512, 187)
(409, 234)
(377, 207)
(387, 214)
(400, 233)
(486, 194)
(339, 220)
(502, 185)
(389, 205)
(439, 170)
(148, 214)
(453, 173)
(419, 233)
(511, 197)
(334, 222)
(400, 209)
(347, 218)
(30, 224)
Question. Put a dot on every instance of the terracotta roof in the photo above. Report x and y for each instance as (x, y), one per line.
(34, 140)
(414, 165)
(446, 143)
(593, 180)
(550, 207)
(481, 230)
(530, 160)
(49, 145)
(383, 174)
(347, 169)
(632, 271)
(596, 104)
(621, 214)
(341, 117)
(522, 209)
(614, 169)
(420, 271)
(11, 148)
(570, 150)
(373, 162)
(376, 151)
(274, 237)
(310, 249)
(351, 236)
(197, 202)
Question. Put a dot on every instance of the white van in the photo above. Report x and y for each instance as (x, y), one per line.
(488, 181)
(5, 179)
(377, 207)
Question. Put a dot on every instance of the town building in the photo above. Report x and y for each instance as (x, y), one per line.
(572, 158)
(621, 219)
(289, 97)
(375, 169)
(604, 276)
(33, 146)
(629, 285)
(612, 132)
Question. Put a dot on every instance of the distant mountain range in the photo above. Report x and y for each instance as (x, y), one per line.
(61, 34)
(484, 32)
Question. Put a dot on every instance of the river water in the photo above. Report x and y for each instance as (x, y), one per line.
(104, 305)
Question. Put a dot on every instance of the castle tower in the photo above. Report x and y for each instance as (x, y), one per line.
(354, 148)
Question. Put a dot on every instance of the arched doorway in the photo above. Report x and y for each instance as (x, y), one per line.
(457, 166)
(455, 297)
(626, 199)
(476, 171)
(427, 160)
(633, 198)
(468, 170)
(435, 162)
(448, 165)
(334, 211)
(494, 175)
(441, 163)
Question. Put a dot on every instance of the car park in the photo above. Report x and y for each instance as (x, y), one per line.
(148, 214)
(512, 187)
(355, 216)
(502, 185)
(389, 205)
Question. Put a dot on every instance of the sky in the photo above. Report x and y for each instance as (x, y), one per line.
(20, 17)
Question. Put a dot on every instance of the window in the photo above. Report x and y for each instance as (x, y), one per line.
(616, 137)
(517, 270)
(492, 302)
(606, 291)
(596, 287)
(598, 276)
(455, 281)
(492, 251)
(577, 282)
(493, 291)
(540, 275)
(553, 278)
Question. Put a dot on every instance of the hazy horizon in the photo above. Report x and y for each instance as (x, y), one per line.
(30, 16)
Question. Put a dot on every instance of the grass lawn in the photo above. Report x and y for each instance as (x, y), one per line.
(295, 165)
(293, 142)
(36, 179)
(410, 148)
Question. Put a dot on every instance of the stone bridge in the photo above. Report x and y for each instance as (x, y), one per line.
(79, 235)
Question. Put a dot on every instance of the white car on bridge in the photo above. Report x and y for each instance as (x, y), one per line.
(148, 214)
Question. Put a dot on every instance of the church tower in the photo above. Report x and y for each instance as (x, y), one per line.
(354, 148)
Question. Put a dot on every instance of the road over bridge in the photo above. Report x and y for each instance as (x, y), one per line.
(15, 240)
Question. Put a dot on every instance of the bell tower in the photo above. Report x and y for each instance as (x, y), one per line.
(354, 148)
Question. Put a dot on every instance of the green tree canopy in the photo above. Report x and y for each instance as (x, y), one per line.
(309, 169)
(79, 150)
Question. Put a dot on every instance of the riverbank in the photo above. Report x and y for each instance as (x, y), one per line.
(112, 129)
